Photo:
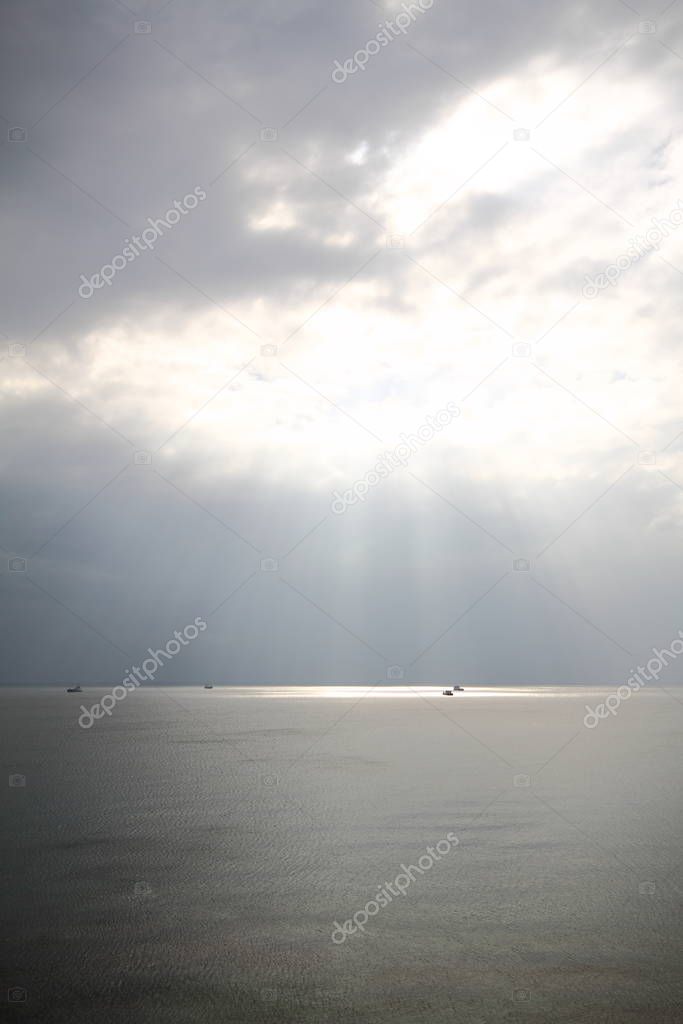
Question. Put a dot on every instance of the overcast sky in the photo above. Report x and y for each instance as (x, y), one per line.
(429, 228)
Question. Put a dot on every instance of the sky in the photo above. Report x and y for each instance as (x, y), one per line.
(354, 222)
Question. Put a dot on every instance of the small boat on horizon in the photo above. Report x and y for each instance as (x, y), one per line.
(74, 689)
(446, 693)
(208, 686)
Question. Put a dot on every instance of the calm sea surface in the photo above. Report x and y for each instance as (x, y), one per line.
(185, 859)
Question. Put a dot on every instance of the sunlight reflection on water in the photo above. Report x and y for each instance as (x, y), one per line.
(403, 692)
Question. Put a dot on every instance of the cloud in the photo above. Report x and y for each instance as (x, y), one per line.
(367, 252)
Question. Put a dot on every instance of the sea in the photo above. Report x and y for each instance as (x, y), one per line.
(199, 856)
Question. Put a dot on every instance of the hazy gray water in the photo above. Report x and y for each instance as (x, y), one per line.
(257, 819)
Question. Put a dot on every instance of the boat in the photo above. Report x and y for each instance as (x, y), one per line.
(446, 693)
(208, 686)
(460, 688)
(74, 689)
